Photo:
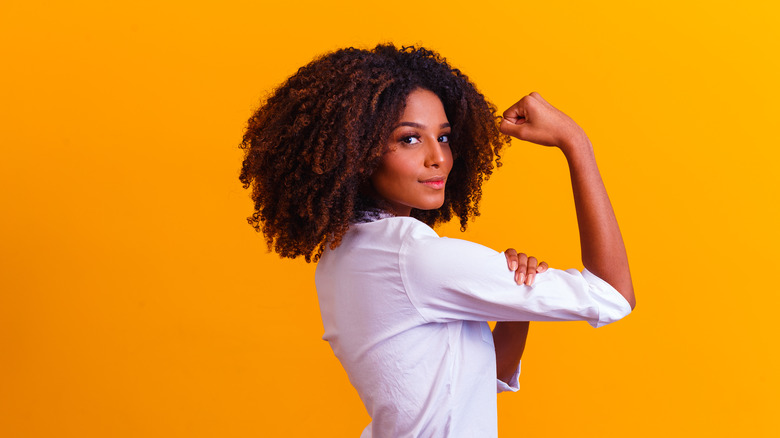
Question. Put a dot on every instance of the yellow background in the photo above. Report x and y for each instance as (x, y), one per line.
(137, 302)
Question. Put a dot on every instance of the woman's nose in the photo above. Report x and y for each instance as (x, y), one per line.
(436, 154)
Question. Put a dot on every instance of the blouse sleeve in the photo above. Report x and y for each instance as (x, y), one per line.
(452, 279)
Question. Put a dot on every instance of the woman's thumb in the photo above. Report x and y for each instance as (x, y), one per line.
(513, 128)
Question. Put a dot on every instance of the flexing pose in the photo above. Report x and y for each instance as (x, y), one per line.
(351, 162)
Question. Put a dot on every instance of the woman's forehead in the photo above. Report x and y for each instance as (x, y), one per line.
(423, 107)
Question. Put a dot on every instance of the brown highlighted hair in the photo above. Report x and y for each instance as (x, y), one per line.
(312, 145)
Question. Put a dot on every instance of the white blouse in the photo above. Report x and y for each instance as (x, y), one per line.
(405, 312)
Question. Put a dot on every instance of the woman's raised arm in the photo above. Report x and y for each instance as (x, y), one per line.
(533, 119)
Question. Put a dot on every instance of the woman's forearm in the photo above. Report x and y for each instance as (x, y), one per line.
(509, 340)
(603, 251)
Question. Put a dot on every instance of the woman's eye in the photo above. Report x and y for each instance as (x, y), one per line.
(444, 138)
(412, 139)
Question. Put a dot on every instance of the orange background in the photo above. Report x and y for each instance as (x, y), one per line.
(135, 301)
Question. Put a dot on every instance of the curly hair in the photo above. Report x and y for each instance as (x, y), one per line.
(313, 144)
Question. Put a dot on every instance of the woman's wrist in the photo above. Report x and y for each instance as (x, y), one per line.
(576, 147)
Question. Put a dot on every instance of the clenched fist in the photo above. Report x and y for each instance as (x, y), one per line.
(533, 119)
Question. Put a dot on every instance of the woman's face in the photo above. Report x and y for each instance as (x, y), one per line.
(417, 159)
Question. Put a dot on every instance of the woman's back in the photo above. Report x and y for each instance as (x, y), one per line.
(416, 378)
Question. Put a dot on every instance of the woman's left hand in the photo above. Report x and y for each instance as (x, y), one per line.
(524, 267)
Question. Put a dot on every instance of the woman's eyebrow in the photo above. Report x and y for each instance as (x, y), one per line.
(419, 126)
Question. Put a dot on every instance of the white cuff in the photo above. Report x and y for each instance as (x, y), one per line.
(513, 384)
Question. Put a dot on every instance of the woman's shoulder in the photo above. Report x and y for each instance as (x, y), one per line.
(422, 245)
(383, 235)
(413, 240)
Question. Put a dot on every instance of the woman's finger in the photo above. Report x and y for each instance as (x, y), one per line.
(516, 112)
(531, 266)
(522, 266)
(514, 119)
(511, 259)
(514, 127)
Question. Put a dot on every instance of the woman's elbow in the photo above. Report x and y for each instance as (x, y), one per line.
(628, 293)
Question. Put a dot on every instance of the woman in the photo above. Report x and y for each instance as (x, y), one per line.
(351, 161)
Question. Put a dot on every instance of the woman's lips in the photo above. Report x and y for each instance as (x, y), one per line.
(434, 183)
